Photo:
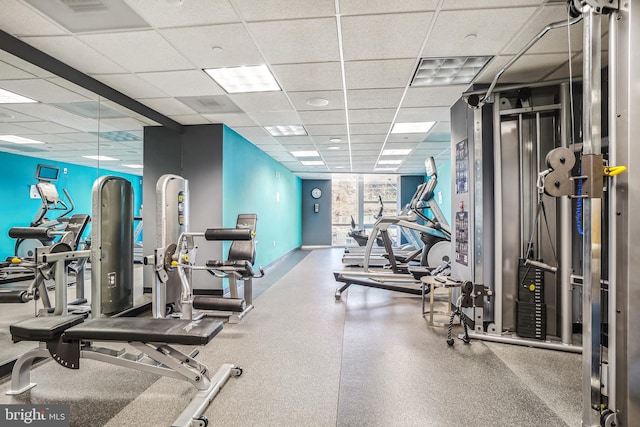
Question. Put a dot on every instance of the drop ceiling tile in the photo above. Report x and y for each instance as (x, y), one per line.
(196, 44)
(379, 74)
(19, 19)
(315, 130)
(374, 98)
(384, 115)
(528, 68)
(57, 115)
(59, 81)
(355, 139)
(562, 72)
(79, 137)
(230, 119)
(370, 149)
(327, 117)
(449, 34)
(127, 124)
(73, 52)
(53, 140)
(359, 7)
(384, 36)
(369, 128)
(308, 77)
(269, 118)
(138, 51)
(131, 85)
(167, 106)
(34, 70)
(296, 41)
(8, 115)
(251, 132)
(268, 10)
(261, 101)
(9, 72)
(406, 137)
(184, 13)
(483, 4)
(299, 100)
(428, 114)
(46, 127)
(437, 96)
(41, 90)
(554, 41)
(11, 129)
(183, 83)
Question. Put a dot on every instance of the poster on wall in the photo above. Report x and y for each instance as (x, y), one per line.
(462, 167)
(462, 237)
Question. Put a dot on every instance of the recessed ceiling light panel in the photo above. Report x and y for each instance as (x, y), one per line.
(134, 166)
(19, 140)
(416, 127)
(448, 71)
(305, 154)
(100, 158)
(389, 162)
(312, 163)
(7, 97)
(396, 152)
(286, 130)
(244, 79)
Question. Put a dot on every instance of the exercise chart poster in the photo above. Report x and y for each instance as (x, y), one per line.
(462, 167)
(462, 237)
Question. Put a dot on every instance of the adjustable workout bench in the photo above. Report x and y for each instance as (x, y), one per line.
(67, 339)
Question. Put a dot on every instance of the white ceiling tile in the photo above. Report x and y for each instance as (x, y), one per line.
(360, 149)
(359, 7)
(11, 129)
(73, 52)
(131, 85)
(19, 19)
(384, 115)
(251, 132)
(196, 44)
(167, 106)
(9, 72)
(437, 96)
(269, 10)
(46, 127)
(79, 137)
(307, 77)
(52, 139)
(268, 118)
(230, 119)
(326, 129)
(292, 140)
(369, 129)
(184, 13)
(554, 41)
(576, 68)
(261, 101)
(183, 83)
(7, 115)
(138, 51)
(299, 100)
(356, 139)
(125, 124)
(528, 68)
(405, 138)
(449, 35)
(303, 40)
(41, 90)
(384, 36)
(428, 114)
(57, 115)
(483, 4)
(59, 81)
(374, 98)
(24, 65)
(327, 117)
(379, 74)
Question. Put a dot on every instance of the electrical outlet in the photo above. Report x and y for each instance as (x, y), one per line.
(64, 171)
(274, 243)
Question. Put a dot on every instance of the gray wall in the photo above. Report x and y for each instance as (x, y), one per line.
(316, 227)
(165, 151)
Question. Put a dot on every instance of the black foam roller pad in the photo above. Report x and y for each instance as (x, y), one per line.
(29, 233)
(227, 234)
(203, 302)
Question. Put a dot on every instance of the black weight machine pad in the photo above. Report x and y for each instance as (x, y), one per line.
(74, 328)
(146, 329)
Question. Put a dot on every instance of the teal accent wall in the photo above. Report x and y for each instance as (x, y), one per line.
(250, 181)
(444, 187)
(18, 174)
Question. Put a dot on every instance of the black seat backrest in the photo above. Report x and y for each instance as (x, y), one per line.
(75, 228)
(244, 250)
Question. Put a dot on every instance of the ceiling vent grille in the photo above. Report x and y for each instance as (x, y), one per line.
(448, 71)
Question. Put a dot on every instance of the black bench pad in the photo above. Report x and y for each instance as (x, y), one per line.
(146, 329)
(43, 328)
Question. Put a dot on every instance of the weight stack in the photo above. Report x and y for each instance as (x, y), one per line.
(531, 311)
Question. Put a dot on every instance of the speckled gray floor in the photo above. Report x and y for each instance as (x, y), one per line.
(368, 360)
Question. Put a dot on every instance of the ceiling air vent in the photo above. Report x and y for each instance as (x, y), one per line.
(210, 104)
(448, 71)
(80, 16)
